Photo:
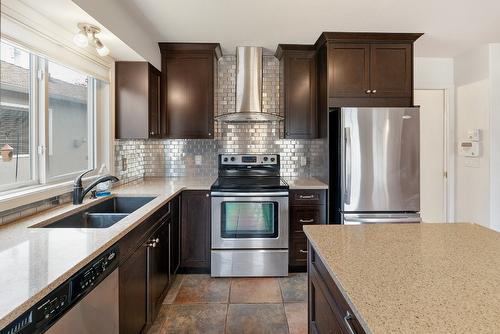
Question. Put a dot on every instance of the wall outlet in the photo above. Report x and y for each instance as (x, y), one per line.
(124, 164)
(303, 161)
(198, 160)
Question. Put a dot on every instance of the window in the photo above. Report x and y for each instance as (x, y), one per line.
(46, 120)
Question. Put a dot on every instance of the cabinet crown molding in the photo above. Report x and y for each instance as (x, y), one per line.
(166, 47)
(366, 37)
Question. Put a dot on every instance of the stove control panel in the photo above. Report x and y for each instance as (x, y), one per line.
(249, 159)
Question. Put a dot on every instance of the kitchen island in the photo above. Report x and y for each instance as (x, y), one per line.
(405, 278)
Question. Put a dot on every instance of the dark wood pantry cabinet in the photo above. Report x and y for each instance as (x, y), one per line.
(298, 90)
(366, 69)
(195, 231)
(137, 101)
(189, 79)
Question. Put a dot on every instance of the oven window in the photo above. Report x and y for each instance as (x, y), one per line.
(249, 220)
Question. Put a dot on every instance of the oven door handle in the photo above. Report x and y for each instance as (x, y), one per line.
(248, 194)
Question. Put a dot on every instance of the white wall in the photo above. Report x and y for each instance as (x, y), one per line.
(477, 179)
(433, 73)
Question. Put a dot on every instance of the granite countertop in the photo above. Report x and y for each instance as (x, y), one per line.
(305, 183)
(34, 261)
(415, 278)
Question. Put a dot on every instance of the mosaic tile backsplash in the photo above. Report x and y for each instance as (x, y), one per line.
(135, 159)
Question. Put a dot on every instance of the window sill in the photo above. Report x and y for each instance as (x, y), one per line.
(35, 193)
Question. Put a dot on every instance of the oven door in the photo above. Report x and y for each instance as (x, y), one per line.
(249, 220)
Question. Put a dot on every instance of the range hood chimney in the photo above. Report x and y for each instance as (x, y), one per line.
(248, 88)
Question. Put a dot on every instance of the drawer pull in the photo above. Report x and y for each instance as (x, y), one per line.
(347, 318)
(306, 221)
(306, 196)
(303, 251)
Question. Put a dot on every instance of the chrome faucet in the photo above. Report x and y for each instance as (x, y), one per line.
(79, 192)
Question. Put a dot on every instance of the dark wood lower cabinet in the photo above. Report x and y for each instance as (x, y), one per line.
(307, 207)
(328, 311)
(133, 292)
(150, 259)
(158, 261)
(195, 232)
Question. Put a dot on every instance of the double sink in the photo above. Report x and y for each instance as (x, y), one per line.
(103, 214)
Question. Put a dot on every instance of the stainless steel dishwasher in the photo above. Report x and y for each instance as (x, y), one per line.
(87, 303)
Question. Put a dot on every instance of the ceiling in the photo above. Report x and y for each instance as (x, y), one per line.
(450, 26)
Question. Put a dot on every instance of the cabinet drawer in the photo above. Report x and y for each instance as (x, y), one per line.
(298, 250)
(307, 197)
(335, 297)
(304, 215)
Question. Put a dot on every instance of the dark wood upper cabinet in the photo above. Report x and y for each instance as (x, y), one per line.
(367, 69)
(189, 78)
(298, 71)
(195, 231)
(137, 99)
(349, 70)
(391, 71)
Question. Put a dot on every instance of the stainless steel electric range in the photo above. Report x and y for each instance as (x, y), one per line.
(249, 217)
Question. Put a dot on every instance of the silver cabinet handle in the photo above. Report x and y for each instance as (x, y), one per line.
(306, 196)
(306, 221)
(374, 91)
(209, 133)
(347, 318)
(157, 240)
(151, 133)
(368, 91)
(347, 162)
(303, 251)
(207, 195)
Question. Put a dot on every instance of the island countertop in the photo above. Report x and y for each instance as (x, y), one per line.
(415, 278)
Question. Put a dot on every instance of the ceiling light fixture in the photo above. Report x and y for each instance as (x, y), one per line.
(86, 36)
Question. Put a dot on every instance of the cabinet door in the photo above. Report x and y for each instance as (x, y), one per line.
(133, 292)
(195, 231)
(175, 237)
(391, 70)
(348, 70)
(190, 95)
(154, 103)
(158, 257)
(300, 95)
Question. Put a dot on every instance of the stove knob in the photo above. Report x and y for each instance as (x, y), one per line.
(233, 158)
(225, 159)
(272, 159)
(266, 158)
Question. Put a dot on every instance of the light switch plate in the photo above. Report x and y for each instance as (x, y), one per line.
(198, 160)
(472, 162)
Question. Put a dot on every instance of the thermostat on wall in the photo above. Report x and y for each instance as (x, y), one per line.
(469, 149)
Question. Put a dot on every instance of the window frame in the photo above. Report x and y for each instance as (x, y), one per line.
(39, 127)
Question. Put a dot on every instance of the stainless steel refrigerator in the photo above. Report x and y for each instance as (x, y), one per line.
(378, 165)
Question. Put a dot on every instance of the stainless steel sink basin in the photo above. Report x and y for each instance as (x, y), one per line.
(101, 215)
(88, 220)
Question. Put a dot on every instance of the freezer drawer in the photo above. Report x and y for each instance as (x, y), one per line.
(391, 218)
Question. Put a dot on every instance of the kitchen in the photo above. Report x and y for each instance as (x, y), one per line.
(333, 178)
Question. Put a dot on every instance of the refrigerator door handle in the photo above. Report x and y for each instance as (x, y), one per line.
(358, 220)
(348, 165)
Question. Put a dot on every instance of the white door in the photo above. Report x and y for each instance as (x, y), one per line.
(432, 155)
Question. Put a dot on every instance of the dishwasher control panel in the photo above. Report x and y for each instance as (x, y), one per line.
(44, 313)
(94, 273)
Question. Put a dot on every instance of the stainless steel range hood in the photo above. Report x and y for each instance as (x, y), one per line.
(248, 88)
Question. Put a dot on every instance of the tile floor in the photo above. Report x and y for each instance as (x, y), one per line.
(202, 304)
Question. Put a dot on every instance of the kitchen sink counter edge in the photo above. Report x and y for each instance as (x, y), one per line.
(34, 261)
(414, 278)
